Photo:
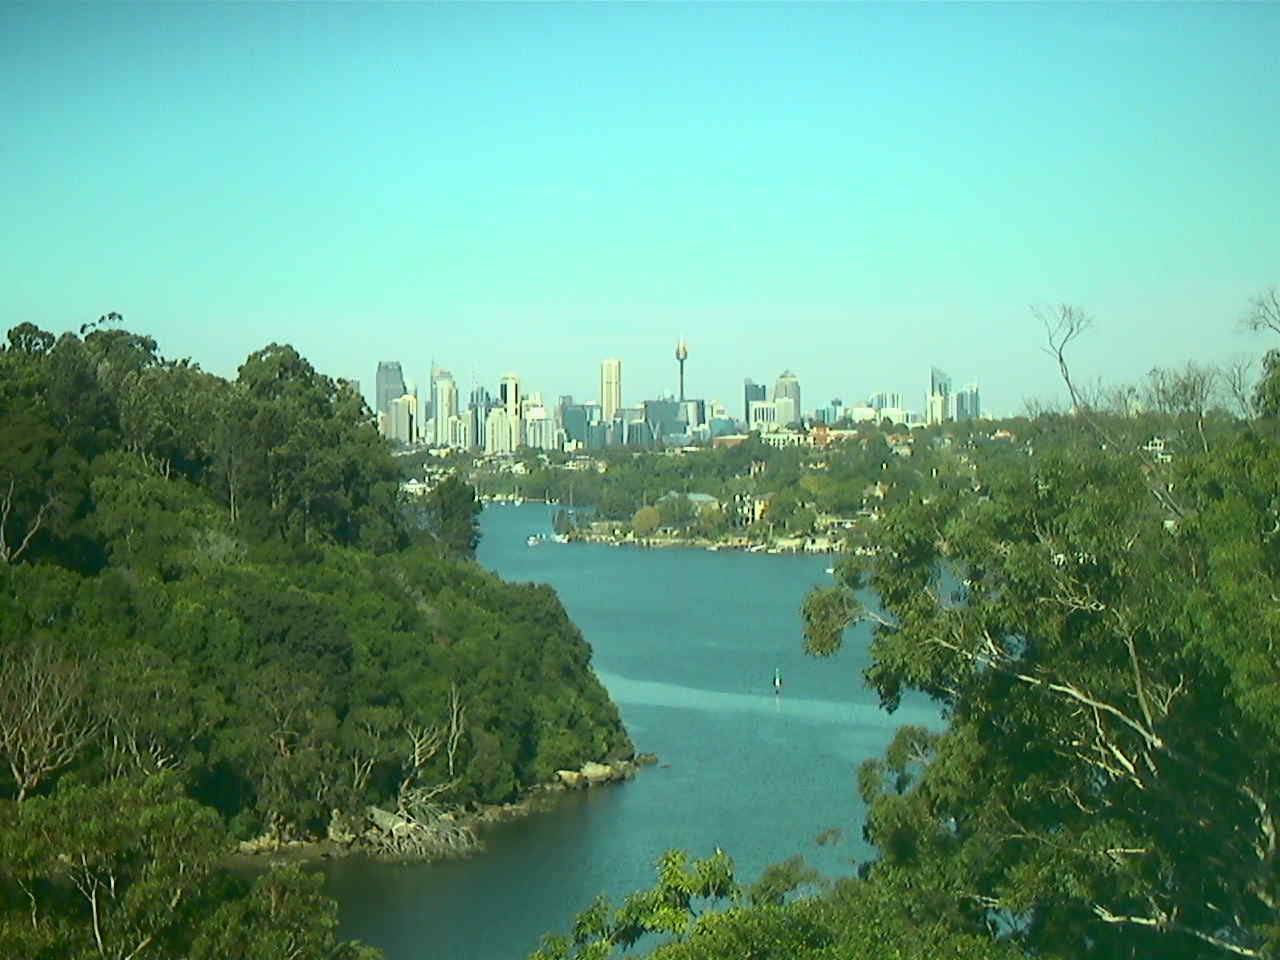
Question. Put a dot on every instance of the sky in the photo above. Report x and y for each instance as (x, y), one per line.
(855, 192)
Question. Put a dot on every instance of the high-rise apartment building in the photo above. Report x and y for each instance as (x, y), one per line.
(610, 388)
(751, 392)
(388, 385)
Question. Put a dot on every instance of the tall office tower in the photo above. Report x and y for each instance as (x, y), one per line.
(968, 404)
(939, 382)
(509, 395)
(788, 388)
(751, 392)
(477, 413)
(388, 385)
(444, 405)
(682, 354)
(610, 388)
(575, 420)
(938, 407)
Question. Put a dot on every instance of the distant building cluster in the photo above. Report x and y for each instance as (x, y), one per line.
(514, 417)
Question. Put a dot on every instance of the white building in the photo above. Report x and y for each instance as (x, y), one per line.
(444, 406)
(610, 388)
(402, 420)
(540, 430)
(499, 432)
(762, 415)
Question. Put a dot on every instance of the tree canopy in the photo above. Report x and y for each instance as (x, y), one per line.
(222, 621)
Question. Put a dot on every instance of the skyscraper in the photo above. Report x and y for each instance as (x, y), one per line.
(511, 402)
(499, 437)
(388, 385)
(968, 403)
(444, 406)
(938, 408)
(787, 387)
(477, 416)
(509, 395)
(610, 388)
(751, 392)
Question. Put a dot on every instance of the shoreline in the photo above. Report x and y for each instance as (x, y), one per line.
(261, 853)
(774, 548)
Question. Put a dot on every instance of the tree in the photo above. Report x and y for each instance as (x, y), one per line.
(646, 520)
(44, 719)
(1184, 394)
(1106, 776)
(669, 907)
(42, 483)
(134, 856)
(285, 916)
(451, 516)
(1266, 395)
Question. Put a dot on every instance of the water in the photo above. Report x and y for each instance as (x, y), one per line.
(686, 642)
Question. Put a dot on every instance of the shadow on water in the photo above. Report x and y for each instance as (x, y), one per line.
(686, 642)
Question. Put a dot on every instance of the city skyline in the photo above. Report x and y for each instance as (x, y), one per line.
(857, 191)
(517, 415)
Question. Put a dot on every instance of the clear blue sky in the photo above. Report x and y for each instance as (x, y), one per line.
(853, 191)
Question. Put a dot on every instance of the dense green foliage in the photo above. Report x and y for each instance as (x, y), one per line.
(1095, 611)
(220, 620)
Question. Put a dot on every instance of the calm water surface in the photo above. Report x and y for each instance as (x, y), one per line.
(686, 642)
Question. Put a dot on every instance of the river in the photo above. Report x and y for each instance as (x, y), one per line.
(687, 642)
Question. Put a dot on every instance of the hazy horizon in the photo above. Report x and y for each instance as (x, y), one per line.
(855, 192)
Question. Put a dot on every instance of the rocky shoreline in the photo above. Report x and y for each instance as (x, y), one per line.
(344, 841)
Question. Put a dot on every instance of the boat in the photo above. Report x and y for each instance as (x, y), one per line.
(533, 540)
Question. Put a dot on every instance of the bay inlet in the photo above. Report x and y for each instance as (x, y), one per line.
(687, 642)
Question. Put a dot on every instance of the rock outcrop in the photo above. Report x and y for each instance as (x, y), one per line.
(592, 774)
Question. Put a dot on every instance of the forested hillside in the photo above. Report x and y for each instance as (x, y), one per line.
(1098, 616)
(219, 620)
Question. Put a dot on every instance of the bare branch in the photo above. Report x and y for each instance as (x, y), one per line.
(1062, 327)
(1264, 312)
(1238, 377)
(43, 721)
(1163, 922)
